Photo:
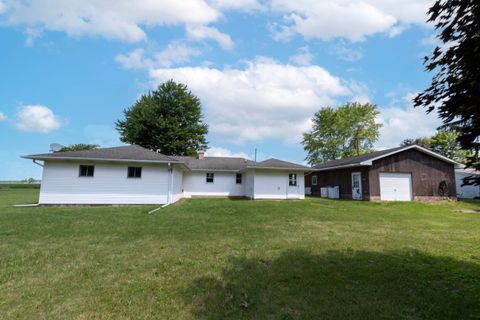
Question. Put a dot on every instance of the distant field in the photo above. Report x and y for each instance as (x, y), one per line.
(19, 185)
(240, 259)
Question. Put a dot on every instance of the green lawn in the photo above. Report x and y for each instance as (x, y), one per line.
(238, 259)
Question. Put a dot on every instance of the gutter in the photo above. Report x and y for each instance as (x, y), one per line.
(102, 159)
(341, 167)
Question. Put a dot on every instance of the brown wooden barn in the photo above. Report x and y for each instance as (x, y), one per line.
(398, 174)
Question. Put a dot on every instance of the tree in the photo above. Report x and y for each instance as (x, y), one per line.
(423, 142)
(80, 147)
(343, 132)
(168, 119)
(455, 88)
(443, 142)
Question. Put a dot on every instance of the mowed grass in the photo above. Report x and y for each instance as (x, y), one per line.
(233, 259)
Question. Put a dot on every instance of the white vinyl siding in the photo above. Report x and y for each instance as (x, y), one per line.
(224, 184)
(465, 192)
(177, 184)
(62, 185)
(274, 184)
(110, 184)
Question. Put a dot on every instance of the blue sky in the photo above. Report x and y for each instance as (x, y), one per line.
(260, 67)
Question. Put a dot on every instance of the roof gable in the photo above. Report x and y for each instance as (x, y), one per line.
(278, 164)
(368, 158)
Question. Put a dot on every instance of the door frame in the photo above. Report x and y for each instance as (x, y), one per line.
(359, 174)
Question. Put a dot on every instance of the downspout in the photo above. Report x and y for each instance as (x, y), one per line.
(35, 161)
(169, 192)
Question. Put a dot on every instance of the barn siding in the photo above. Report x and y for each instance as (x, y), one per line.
(427, 173)
(341, 178)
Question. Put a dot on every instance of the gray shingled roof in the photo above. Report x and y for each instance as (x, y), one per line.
(278, 164)
(136, 153)
(365, 158)
(215, 163)
(131, 152)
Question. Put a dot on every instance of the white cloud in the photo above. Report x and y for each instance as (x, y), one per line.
(201, 32)
(246, 5)
(349, 19)
(133, 60)
(31, 34)
(223, 152)
(3, 7)
(264, 100)
(303, 58)
(112, 19)
(173, 54)
(3, 117)
(37, 118)
(346, 53)
(403, 122)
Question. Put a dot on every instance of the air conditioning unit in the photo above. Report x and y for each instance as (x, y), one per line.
(324, 192)
(333, 192)
(308, 190)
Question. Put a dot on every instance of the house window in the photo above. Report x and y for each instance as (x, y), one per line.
(314, 180)
(292, 179)
(209, 177)
(86, 171)
(238, 178)
(134, 172)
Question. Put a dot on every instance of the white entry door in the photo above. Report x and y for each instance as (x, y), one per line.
(292, 187)
(395, 186)
(356, 186)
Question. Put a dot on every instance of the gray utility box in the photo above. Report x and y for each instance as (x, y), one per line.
(330, 192)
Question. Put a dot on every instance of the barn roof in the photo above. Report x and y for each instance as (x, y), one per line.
(368, 158)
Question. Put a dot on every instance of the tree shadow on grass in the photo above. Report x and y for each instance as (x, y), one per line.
(340, 284)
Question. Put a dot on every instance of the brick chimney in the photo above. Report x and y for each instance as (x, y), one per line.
(201, 155)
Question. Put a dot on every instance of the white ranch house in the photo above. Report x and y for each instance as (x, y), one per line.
(135, 175)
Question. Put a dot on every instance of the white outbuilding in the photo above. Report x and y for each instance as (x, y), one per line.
(466, 192)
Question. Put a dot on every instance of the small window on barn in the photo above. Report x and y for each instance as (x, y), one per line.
(314, 180)
(209, 177)
(292, 179)
(134, 172)
(238, 178)
(86, 171)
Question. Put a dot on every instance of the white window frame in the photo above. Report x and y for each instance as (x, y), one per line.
(206, 177)
(87, 166)
(237, 176)
(314, 181)
(292, 177)
(134, 171)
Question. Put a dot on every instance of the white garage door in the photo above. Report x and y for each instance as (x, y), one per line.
(396, 186)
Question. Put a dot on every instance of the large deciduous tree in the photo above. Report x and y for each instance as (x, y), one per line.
(79, 147)
(347, 131)
(443, 142)
(455, 88)
(168, 119)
